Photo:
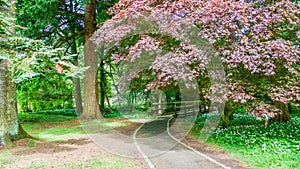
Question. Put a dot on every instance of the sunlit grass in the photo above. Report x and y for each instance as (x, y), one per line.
(4, 159)
(107, 162)
(47, 127)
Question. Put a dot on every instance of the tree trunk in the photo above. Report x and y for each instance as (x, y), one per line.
(91, 105)
(77, 96)
(227, 114)
(102, 81)
(108, 103)
(76, 84)
(9, 127)
(285, 116)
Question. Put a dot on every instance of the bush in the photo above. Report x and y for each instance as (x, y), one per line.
(276, 137)
(63, 112)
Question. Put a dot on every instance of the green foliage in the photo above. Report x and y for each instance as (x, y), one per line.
(31, 58)
(102, 8)
(238, 120)
(5, 19)
(53, 93)
(46, 117)
(273, 146)
(275, 137)
(134, 111)
(50, 127)
(240, 110)
(295, 111)
(54, 21)
(142, 107)
(31, 143)
(33, 63)
(114, 114)
(62, 112)
(244, 119)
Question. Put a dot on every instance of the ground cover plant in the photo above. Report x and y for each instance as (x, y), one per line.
(273, 146)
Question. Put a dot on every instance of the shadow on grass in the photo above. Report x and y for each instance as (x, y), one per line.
(54, 146)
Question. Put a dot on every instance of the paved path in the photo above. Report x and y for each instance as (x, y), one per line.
(164, 152)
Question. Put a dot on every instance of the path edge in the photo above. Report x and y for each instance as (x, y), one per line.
(194, 150)
(148, 161)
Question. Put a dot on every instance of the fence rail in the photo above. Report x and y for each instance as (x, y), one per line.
(181, 109)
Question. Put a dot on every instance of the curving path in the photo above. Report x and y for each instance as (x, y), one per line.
(162, 151)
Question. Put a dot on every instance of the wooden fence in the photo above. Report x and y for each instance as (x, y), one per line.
(183, 108)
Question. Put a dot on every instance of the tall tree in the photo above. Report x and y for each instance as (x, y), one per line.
(9, 126)
(91, 96)
(61, 25)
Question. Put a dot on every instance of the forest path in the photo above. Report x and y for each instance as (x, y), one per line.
(80, 150)
(163, 152)
(77, 152)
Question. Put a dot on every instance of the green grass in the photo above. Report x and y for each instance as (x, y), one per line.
(274, 146)
(132, 115)
(51, 127)
(264, 159)
(54, 127)
(64, 112)
(37, 167)
(44, 118)
(4, 159)
(107, 162)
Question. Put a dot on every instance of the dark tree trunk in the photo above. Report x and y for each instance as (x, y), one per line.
(91, 105)
(108, 104)
(227, 114)
(284, 117)
(102, 80)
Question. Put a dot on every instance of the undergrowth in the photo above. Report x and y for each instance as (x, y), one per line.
(274, 146)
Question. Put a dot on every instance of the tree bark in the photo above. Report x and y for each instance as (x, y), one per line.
(9, 126)
(76, 81)
(227, 114)
(77, 95)
(10, 129)
(284, 117)
(102, 81)
(91, 105)
(76, 84)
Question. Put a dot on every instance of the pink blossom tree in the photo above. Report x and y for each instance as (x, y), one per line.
(257, 41)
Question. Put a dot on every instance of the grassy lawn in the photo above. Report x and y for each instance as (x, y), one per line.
(59, 135)
(273, 146)
(50, 126)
